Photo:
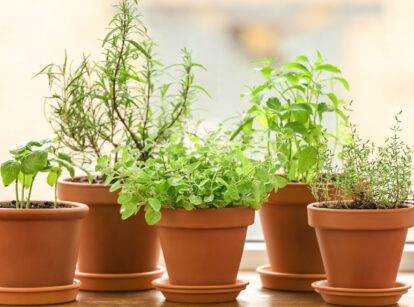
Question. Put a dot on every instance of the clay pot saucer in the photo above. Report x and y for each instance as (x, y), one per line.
(39, 295)
(199, 294)
(360, 297)
(118, 282)
(286, 281)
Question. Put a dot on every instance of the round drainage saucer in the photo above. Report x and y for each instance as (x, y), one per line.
(360, 297)
(199, 294)
(287, 281)
(39, 295)
(118, 282)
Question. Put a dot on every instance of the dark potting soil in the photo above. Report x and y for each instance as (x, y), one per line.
(99, 179)
(356, 205)
(37, 205)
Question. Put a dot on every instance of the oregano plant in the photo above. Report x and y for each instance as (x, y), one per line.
(127, 98)
(30, 159)
(199, 173)
(369, 176)
(289, 110)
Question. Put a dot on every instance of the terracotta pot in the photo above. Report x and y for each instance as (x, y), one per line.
(291, 244)
(361, 248)
(39, 247)
(204, 246)
(110, 245)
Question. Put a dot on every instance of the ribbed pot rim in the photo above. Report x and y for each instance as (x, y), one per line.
(70, 182)
(209, 218)
(75, 210)
(360, 219)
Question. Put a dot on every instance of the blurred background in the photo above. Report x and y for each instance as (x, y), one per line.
(370, 40)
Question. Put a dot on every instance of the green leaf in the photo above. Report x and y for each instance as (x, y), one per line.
(303, 107)
(64, 156)
(296, 127)
(231, 194)
(280, 182)
(195, 200)
(9, 171)
(323, 107)
(273, 103)
(52, 178)
(208, 199)
(26, 180)
(175, 181)
(69, 167)
(151, 216)
(155, 204)
(328, 67)
(295, 65)
(302, 58)
(34, 162)
(140, 48)
(307, 159)
(128, 211)
(344, 82)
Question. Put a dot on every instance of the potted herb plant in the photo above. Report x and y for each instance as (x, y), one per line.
(289, 114)
(201, 196)
(99, 107)
(361, 233)
(40, 239)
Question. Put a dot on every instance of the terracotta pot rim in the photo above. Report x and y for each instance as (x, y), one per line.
(68, 182)
(74, 285)
(312, 206)
(75, 210)
(159, 270)
(164, 283)
(364, 219)
(266, 270)
(208, 218)
(323, 285)
(296, 184)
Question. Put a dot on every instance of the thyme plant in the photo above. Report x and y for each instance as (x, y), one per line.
(289, 111)
(30, 159)
(127, 98)
(199, 173)
(370, 177)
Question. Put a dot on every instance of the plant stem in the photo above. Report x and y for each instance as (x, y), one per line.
(30, 193)
(17, 194)
(55, 197)
(23, 190)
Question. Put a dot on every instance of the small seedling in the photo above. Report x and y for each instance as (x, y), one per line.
(30, 159)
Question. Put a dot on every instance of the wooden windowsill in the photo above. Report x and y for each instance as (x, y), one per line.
(254, 295)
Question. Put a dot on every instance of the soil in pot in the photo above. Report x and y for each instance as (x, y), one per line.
(361, 248)
(110, 245)
(41, 245)
(291, 243)
(203, 247)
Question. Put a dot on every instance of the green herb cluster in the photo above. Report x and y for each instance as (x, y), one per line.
(371, 177)
(289, 109)
(206, 173)
(30, 159)
(120, 100)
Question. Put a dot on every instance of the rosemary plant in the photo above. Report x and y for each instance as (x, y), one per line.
(101, 106)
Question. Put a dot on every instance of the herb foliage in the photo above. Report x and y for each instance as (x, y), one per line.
(128, 98)
(288, 111)
(201, 173)
(30, 159)
(370, 177)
